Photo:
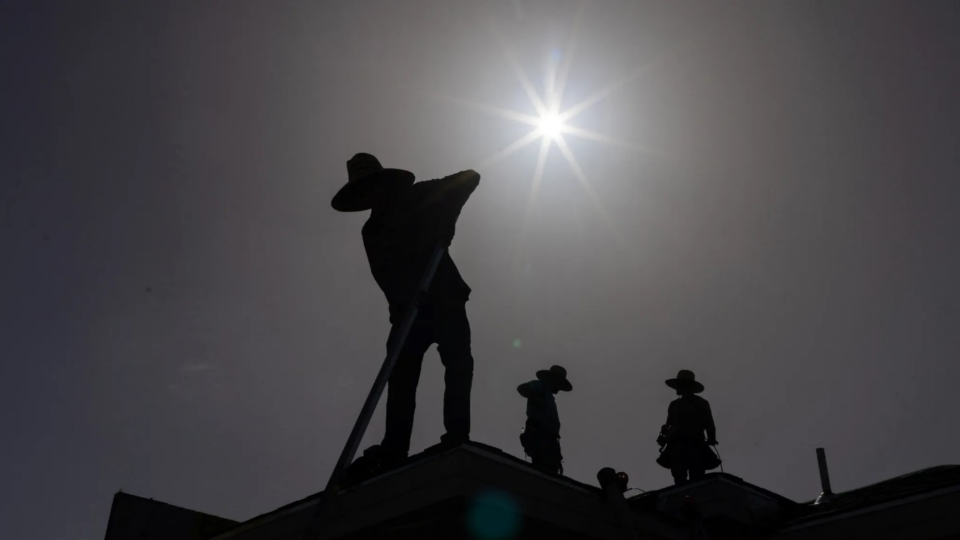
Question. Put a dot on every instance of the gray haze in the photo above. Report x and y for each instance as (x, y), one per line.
(184, 317)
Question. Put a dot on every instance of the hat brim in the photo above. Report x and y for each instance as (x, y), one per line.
(684, 384)
(562, 383)
(356, 196)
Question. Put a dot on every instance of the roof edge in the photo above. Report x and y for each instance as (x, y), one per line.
(718, 477)
(471, 447)
(155, 501)
(840, 514)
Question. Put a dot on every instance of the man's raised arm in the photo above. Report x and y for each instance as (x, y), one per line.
(530, 390)
(451, 193)
(457, 188)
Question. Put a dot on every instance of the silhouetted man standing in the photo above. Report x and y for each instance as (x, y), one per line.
(688, 417)
(541, 435)
(406, 224)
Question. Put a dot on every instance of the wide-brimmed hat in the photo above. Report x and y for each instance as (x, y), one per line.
(685, 380)
(364, 176)
(558, 375)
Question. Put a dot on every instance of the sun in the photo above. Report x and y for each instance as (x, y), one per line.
(550, 122)
(551, 125)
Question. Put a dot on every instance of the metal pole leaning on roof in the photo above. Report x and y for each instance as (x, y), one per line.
(370, 405)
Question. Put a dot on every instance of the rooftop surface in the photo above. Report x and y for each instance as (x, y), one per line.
(440, 488)
(431, 453)
(919, 483)
(441, 481)
(132, 516)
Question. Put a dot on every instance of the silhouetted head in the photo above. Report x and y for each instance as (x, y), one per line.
(385, 195)
(369, 185)
(551, 387)
(685, 383)
(555, 379)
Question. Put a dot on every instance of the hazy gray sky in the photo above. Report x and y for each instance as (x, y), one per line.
(184, 317)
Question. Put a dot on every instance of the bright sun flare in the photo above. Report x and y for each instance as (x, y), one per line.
(551, 125)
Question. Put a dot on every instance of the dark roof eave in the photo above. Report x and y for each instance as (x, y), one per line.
(851, 511)
(472, 446)
(714, 477)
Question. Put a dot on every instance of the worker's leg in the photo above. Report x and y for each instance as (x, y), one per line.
(696, 474)
(546, 463)
(679, 475)
(452, 333)
(552, 459)
(526, 441)
(543, 449)
(402, 388)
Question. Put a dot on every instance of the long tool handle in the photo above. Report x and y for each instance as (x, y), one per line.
(370, 405)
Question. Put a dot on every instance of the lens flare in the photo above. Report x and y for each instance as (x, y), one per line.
(551, 125)
(493, 515)
(551, 121)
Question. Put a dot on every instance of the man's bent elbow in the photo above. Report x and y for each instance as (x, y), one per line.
(471, 178)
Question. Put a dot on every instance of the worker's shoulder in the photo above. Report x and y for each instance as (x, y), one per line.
(468, 180)
(418, 189)
(470, 175)
(371, 227)
(700, 402)
(692, 398)
(534, 386)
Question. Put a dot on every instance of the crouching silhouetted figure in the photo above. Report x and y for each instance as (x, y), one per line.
(687, 453)
(541, 435)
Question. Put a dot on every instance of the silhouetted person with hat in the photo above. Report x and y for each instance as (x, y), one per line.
(407, 222)
(541, 435)
(687, 452)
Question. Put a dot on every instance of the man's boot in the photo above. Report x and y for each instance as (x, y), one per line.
(365, 466)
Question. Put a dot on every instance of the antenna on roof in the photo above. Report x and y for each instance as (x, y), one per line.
(827, 493)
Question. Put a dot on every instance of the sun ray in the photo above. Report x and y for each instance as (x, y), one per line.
(585, 182)
(556, 99)
(599, 96)
(550, 81)
(507, 151)
(612, 141)
(506, 114)
(520, 74)
(550, 124)
(610, 89)
(527, 87)
(532, 198)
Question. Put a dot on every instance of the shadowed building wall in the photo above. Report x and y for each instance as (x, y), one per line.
(137, 518)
